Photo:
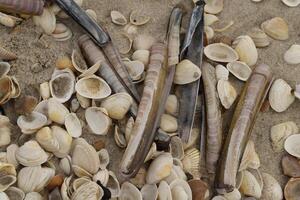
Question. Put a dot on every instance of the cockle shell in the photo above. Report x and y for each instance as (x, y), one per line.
(15, 193)
(180, 190)
(164, 191)
(57, 111)
(141, 55)
(292, 55)
(213, 6)
(280, 132)
(62, 86)
(135, 69)
(250, 158)
(88, 190)
(47, 21)
(191, 162)
(33, 196)
(4, 131)
(246, 49)
(102, 176)
(4, 68)
(98, 120)
(118, 18)
(113, 185)
(73, 125)
(7, 55)
(271, 189)
(292, 145)
(259, 37)
(280, 95)
(45, 90)
(250, 185)
(168, 123)
(239, 69)
(138, 18)
(276, 28)
(64, 141)
(220, 52)
(61, 32)
(149, 192)
(32, 122)
(291, 3)
(11, 154)
(46, 139)
(209, 19)
(227, 93)
(143, 42)
(186, 72)
(129, 192)
(92, 87)
(291, 190)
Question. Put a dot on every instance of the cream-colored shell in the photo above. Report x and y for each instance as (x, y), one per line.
(57, 111)
(168, 123)
(250, 185)
(213, 6)
(135, 69)
(11, 154)
(61, 32)
(104, 158)
(15, 193)
(31, 122)
(239, 69)
(222, 72)
(64, 141)
(172, 105)
(259, 37)
(143, 42)
(4, 131)
(234, 195)
(7, 20)
(209, 19)
(292, 55)
(4, 68)
(164, 191)
(220, 52)
(209, 32)
(271, 189)
(92, 14)
(191, 162)
(186, 72)
(45, 90)
(78, 61)
(73, 125)
(102, 176)
(227, 93)
(119, 138)
(141, 55)
(129, 192)
(97, 120)
(291, 3)
(65, 165)
(138, 18)
(292, 145)
(33, 196)
(276, 28)
(47, 21)
(88, 190)
(149, 192)
(118, 18)
(180, 190)
(250, 158)
(246, 49)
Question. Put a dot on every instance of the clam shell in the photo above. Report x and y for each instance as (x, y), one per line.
(5, 89)
(168, 123)
(113, 185)
(31, 122)
(119, 138)
(172, 105)
(164, 191)
(209, 19)
(149, 192)
(78, 62)
(152, 152)
(117, 105)
(101, 176)
(104, 158)
(84, 102)
(31, 154)
(250, 185)
(220, 52)
(250, 158)
(65, 165)
(138, 18)
(79, 182)
(135, 69)
(7, 169)
(91, 70)
(141, 55)
(186, 72)
(80, 172)
(143, 42)
(97, 120)
(291, 190)
(239, 69)
(222, 72)
(276, 28)
(92, 87)
(65, 187)
(219, 197)
(57, 111)
(191, 162)
(3, 196)
(246, 49)
(47, 21)
(292, 145)
(213, 6)
(45, 90)
(129, 192)
(292, 55)
(7, 55)
(118, 18)
(130, 29)
(259, 37)
(4, 68)
(291, 3)
(11, 154)
(209, 32)
(271, 189)
(16, 89)
(227, 93)
(33, 196)
(61, 33)
(3, 157)
(4, 131)
(73, 125)
(6, 181)
(15, 193)
(176, 148)
(290, 166)
(89, 190)
(64, 141)
(7, 20)
(280, 95)
(234, 195)
(46, 139)
(180, 190)
(42, 107)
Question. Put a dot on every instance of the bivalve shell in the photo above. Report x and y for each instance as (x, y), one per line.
(213, 6)
(164, 191)
(73, 125)
(138, 18)
(45, 90)
(250, 158)
(88, 190)
(31, 122)
(4, 68)
(135, 69)
(168, 123)
(222, 72)
(11, 154)
(191, 162)
(220, 52)
(119, 138)
(64, 140)
(250, 185)
(102, 176)
(234, 195)
(259, 37)
(186, 72)
(113, 185)
(15, 193)
(292, 145)
(209, 19)
(61, 33)
(57, 111)
(142, 55)
(33, 196)
(239, 69)
(271, 189)
(46, 139)
(129, 192)
(180, 190)
(291, 190)
(276, 28)
(291, 3)
(4, 131)
(149, 192)
(98, 120)
(65, 165)
(118, 18)
(78, 62)
(292, 55)
(227, 93)
(143, 42)
(290, 166)
(47, 21)
(246, 49)
(172, 105)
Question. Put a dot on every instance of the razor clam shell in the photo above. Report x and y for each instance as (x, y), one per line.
(32, 7)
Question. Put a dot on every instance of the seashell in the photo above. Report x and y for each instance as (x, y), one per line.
(276, 28)
(7, 55)
(291, 145)
(234, 195)
(164, 191)
(159, 168)
(130, 29)
(149, 192)
(15, 193)
(280, 95)
(92, 70)
(250, 185)
(292, 55)
(34, 179)
(118, 18)
(75, 105)
(135, 69)
(143, 42)
(5, 89)
(80, 172)
(186, 72)
(209, 19)
(179, 172)
(209, 32)
(180, 190)
(119, 138)
(239, 179)
(65, 165)
(104, 158)
(7, 20)
(250, 158)
(6, 181)
(219, 197)
(280, 132)
(79, 182)
(33, 196)
(3, 196)
(92, 14)
(271, 189)
(85, 156)
(78, 62)
(11, 155)
(129, 127)
(62, 87)
(125, 46)
(291, 190)
(195, 133)
(138, 18)
(56, 181)
(4, 131)
(245, 48)
(47, 140)
(73, 125)
(191, 162)
(7, 169)
(64, 141)
(42, 107)
(16, 89)
(117, 105)
(113, 185)
(3, 157)
(57, 111)
(97, 120)
(220, 52)
(65, 188)
(89, 190)
(31, 154)
(25, 105)
(153, 153)
(92, 87)
(168, 123)
(45, 90)
(239, 69)
(222, 72)
(213, 6)
(4, 68)
(173, 176)
(101, 176)
(62, 33)
(172, 105)
(291, 3)
(259, 37)
(141, 55)
(290, 166)
(47, 21)
(129, 192)
(227, 93)
(84, 102)
(176, 148)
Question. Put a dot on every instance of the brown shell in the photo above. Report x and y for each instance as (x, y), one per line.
(31, 7)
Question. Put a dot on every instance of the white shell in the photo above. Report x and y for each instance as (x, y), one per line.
(97, 120)
(234, 195)
(118, 18)
(15, 193)
(291, 3)
(135, 69)
(47, 21)
(213, 6)
(84, 102)
(4, 68)
(172, 105)
(46, 139)
(222, 72)
(142, 55)
(240, 70)
(11, 154)
(65, 165)
(292, 145)
(143, 42)
(164, 191)
(73, 125)
(186, 72)
(180, 190)
(102, 176)
(220, 52)
(31, 122)
(113, 185)
(119, 138)
(104, 158)
(61, 32)
(168, 123)
(271, 189)
(7, 20)
(227, 93)
(3, 196)
(138, 18)
(297, 91)
(129, 192)
(4, 131)
(259, 37)
(276, 28)
(250, 185)
(209, 19)
(149, 192)
(57, 111)
(250, 158)
(292, 55)
(88, 190)
(209, 32)
(246, 49)
(78, 62)
(45, 90)
(42, 107)
(33, 196)
(280, 95)
(64, 141)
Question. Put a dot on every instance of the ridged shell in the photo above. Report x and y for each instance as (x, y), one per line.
(180, 190)
(64, 141)
(73, 125)
(259, 37)
(129, 192)
(89, 190)
(191, 162)
(186, 72)
(7, 55)
(239, 69)
(292, 55)
(246, 49)
(220, 52)
(227, 93)
(61, 33)
(276, 28)
(57, 111)
(118, 18)
(47, 21)
(46, 139)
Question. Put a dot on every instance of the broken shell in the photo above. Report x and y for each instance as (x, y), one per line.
(135, 69)
(15, 193)
(34, 179)
(149, 192)
(118, 18)
(292, 144)
(239, 69)
(186, 72)
(91, 70)
(259, 37)
(164, 191)
(250, 185)
(209, 19)
(222, 72)
(276, 28)
(119, 138)
(47, 140)
(159, 168)
(292, 55)
(65, 188)
(143, 42)
(11, 154)
(92, 87)
(65, 165)
(142, 55)
(213, 6)
(85, 156)
(62, 33)
(291, 3)
(117, 105)
(129, 192)
(291, 190)
(88, 190)
(176, 147)
(280, 95)
(7, 55)
(271, 189)
(113, 185)
(47, 21)
(220, 52)
(168, 123)
(138, 18)
(4, 68)
(191, 162)
(7, 20)
(250, 158)
(64, 141)
(101, 176)
(62, 87)
(104, 158)
(73, 125)
(97, 120)
(79, 182)
(280, 132)
(246, 49)
(180, 190)
(92, 14)
(234, 195)
(31, 154)
(78, 62)
(125, 46)
(227, 93)
(32, 122)
(57, 111)
(209, 32)
(45, 90)
(290, 166)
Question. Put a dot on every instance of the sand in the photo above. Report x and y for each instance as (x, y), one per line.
(38, 52)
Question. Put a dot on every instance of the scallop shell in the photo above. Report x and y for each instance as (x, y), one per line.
(291, 3)
(186, 72)
(138, 18)
(222, 72)
(209, 19)
(78, 61)
(180, 190)
(142, 55)
(47, 21)
(113, 185)
(291, 190)
(135, 69)
(143, 42)
(168, 123)
(92, 14)
(191, 162)
(15, 193)
(118, 18)
(62, 87)
(213, 6)
(31, 122)
(176, 148)
(220, 52)
(129, 192)
(276, 28)
(46, 139)
(4, 68)
(246, 49)
(280, 95)
(57, 111)
(259, 37)
(239, 69)
(250, 185)
(97, 120)
(102, 176)
(164, 191)
(61, 33)
(227, 93)
(7, 55)
(149, 192)
(73, 125)
(271, 189)
(92, 87)
(45, 90)
(119, 138)
(64, 141)
(88, 190)
(292, 55)
(250, 158)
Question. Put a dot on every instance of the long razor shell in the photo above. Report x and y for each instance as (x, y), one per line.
(145, 126)
(31, 7)
(251, 99)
